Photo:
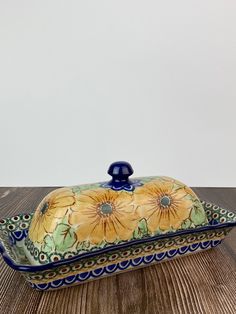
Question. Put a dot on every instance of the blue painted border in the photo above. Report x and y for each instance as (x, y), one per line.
(121, 266)
(34, 268)
(51, 265)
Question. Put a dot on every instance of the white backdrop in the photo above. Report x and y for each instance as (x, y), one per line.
(85, 83)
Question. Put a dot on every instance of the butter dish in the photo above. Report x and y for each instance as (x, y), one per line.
(81, 233)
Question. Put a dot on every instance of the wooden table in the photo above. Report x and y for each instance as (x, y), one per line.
(202, 283)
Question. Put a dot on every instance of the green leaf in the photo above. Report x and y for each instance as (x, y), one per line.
(48, 244)
(158, 232)
(83, 245)
(64, 237)
(147, 179)
(141, 230)
(78, 189)
(65, 220)
(186, 224)
(198, 215)
(143, 226)
(178, 186)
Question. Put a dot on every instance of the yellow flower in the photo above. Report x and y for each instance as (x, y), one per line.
(104, 214)
(52, 208)
(162, 206)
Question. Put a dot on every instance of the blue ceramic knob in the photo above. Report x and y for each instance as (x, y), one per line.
(120, 172)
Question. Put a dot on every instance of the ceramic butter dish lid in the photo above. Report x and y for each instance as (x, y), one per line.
(71, 221)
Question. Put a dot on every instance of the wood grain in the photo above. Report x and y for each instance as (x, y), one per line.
(203, 283)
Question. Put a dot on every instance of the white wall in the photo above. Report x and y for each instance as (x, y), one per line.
(85, 83)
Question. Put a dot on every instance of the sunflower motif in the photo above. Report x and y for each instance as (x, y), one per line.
(163, 206)
(104, 214)
(52, 208)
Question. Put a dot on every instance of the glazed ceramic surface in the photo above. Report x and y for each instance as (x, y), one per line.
(71, 221)
(90, 231)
